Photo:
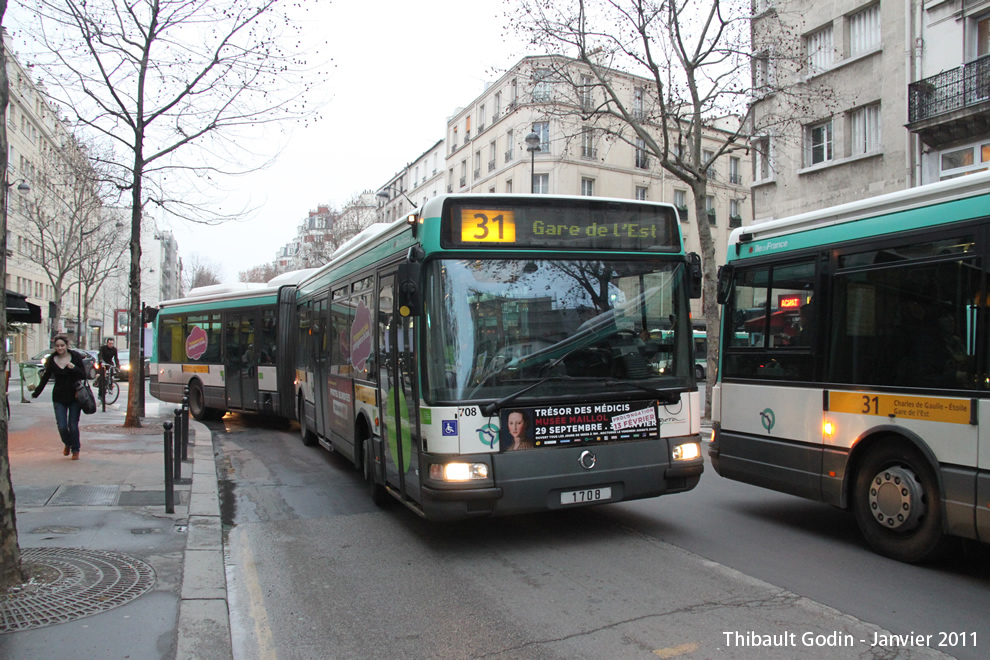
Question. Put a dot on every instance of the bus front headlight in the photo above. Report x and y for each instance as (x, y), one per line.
(458, 471)
(689, 451)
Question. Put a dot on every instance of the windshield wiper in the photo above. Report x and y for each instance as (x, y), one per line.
(664, 397)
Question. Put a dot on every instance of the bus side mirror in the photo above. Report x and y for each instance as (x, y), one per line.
(149, 314)
(694, 269)
(410, 300)
(725, 274)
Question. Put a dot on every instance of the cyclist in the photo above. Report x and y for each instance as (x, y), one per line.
(108, 358)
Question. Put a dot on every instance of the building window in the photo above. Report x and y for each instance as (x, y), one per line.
(481, 118)
(477, 164)
(542, 88)
(707, 157)
(864, 31)
(497, 110)
(763, 73)
(508, 145)
(819, 51)
(966, 160)
(734, 176)
(541, 184)
(735, 216)
(983, 36)
(543, 130)
(818, 143)
(641, 193)
(587, 187)
(865, 129)
(680, 201)
(491, 156)
(763, 159)
(588, 143)
(710, 208)
(587, 93)
(638, 109)
(642, 161)
(508, 186)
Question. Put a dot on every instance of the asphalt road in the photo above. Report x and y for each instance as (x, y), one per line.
(316, 570)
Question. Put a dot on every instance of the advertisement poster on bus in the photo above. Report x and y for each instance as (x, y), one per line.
(531, 428)
(361, 337)
(340, 392)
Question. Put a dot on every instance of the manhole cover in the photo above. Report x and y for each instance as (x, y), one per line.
(88, 582)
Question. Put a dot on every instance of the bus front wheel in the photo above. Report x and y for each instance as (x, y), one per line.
(897, 503)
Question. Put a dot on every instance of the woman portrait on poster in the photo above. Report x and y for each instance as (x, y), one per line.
(516, 432)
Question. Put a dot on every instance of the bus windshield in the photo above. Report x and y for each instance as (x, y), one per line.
(583, 327)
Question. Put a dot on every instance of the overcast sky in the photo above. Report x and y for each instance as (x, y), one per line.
(399, 70)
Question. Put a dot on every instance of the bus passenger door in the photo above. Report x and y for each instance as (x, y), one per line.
(398, 391)
(242, 362)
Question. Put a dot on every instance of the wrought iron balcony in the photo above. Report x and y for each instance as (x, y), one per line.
(943, 105)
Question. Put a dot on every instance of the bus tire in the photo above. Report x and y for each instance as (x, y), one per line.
(897, 503)
(308, 437)
(197, 402)
(378, 494)
(699, 372)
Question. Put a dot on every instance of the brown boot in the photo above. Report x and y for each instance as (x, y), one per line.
(65, 451)
(75, 455)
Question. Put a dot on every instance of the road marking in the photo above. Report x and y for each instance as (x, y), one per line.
(675, 651)
(256, 604)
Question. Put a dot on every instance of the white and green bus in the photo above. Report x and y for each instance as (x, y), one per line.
(486, 355)
(855, 363)
(227, 343)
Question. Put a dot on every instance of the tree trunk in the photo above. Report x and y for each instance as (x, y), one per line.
(10, 550)
(135, 379)
(709, 304)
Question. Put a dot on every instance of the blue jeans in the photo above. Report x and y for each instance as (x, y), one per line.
(67, 418)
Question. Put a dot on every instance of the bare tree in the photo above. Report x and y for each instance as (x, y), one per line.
(200, 271)
(700, 65)
(259, 274)
(164, 78)
(10, 551)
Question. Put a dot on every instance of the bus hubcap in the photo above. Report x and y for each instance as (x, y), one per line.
(896, 499)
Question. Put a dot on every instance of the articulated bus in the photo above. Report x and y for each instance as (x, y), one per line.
(227, 344)
(855, 363)
(488, 355)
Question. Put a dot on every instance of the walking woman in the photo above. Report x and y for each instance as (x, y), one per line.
(67, 368)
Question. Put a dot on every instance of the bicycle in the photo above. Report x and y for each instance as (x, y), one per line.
(107, 384)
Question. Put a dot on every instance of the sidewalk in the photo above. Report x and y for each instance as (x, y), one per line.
(124, 578)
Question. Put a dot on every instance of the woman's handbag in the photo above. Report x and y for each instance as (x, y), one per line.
(84, 395)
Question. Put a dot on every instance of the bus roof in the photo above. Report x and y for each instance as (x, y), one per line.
(236, 290)
(759, 235)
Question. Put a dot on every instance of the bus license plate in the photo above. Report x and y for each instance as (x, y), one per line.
(587, 495)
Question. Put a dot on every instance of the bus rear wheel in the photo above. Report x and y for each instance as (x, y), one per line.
(197, 402)
(897, 503)
(378, 494)
(308, 437)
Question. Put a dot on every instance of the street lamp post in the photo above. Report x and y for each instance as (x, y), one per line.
(24, 188)
(532, 146)
(79, 320)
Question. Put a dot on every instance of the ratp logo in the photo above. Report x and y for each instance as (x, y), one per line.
(488, 435)
(768, 419)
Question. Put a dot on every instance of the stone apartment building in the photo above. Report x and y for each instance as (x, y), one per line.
(908, 103)
(484, 151)
(39, 144)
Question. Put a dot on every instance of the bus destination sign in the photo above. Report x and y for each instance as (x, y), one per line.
(583, 225)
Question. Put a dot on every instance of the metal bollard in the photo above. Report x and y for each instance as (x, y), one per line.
(178, 443)
(169, 482)
(185, 427)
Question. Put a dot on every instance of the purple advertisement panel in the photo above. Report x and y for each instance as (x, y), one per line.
(532, 428)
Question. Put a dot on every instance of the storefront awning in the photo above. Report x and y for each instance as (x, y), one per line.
(19, 310)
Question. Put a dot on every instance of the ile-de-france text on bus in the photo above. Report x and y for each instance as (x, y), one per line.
(855, 364)
(492, 355)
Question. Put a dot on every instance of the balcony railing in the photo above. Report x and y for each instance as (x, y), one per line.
(735, 179)
(491, 166)
(589, 152)
(950, 90)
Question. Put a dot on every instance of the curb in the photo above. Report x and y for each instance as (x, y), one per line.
(204, 618)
